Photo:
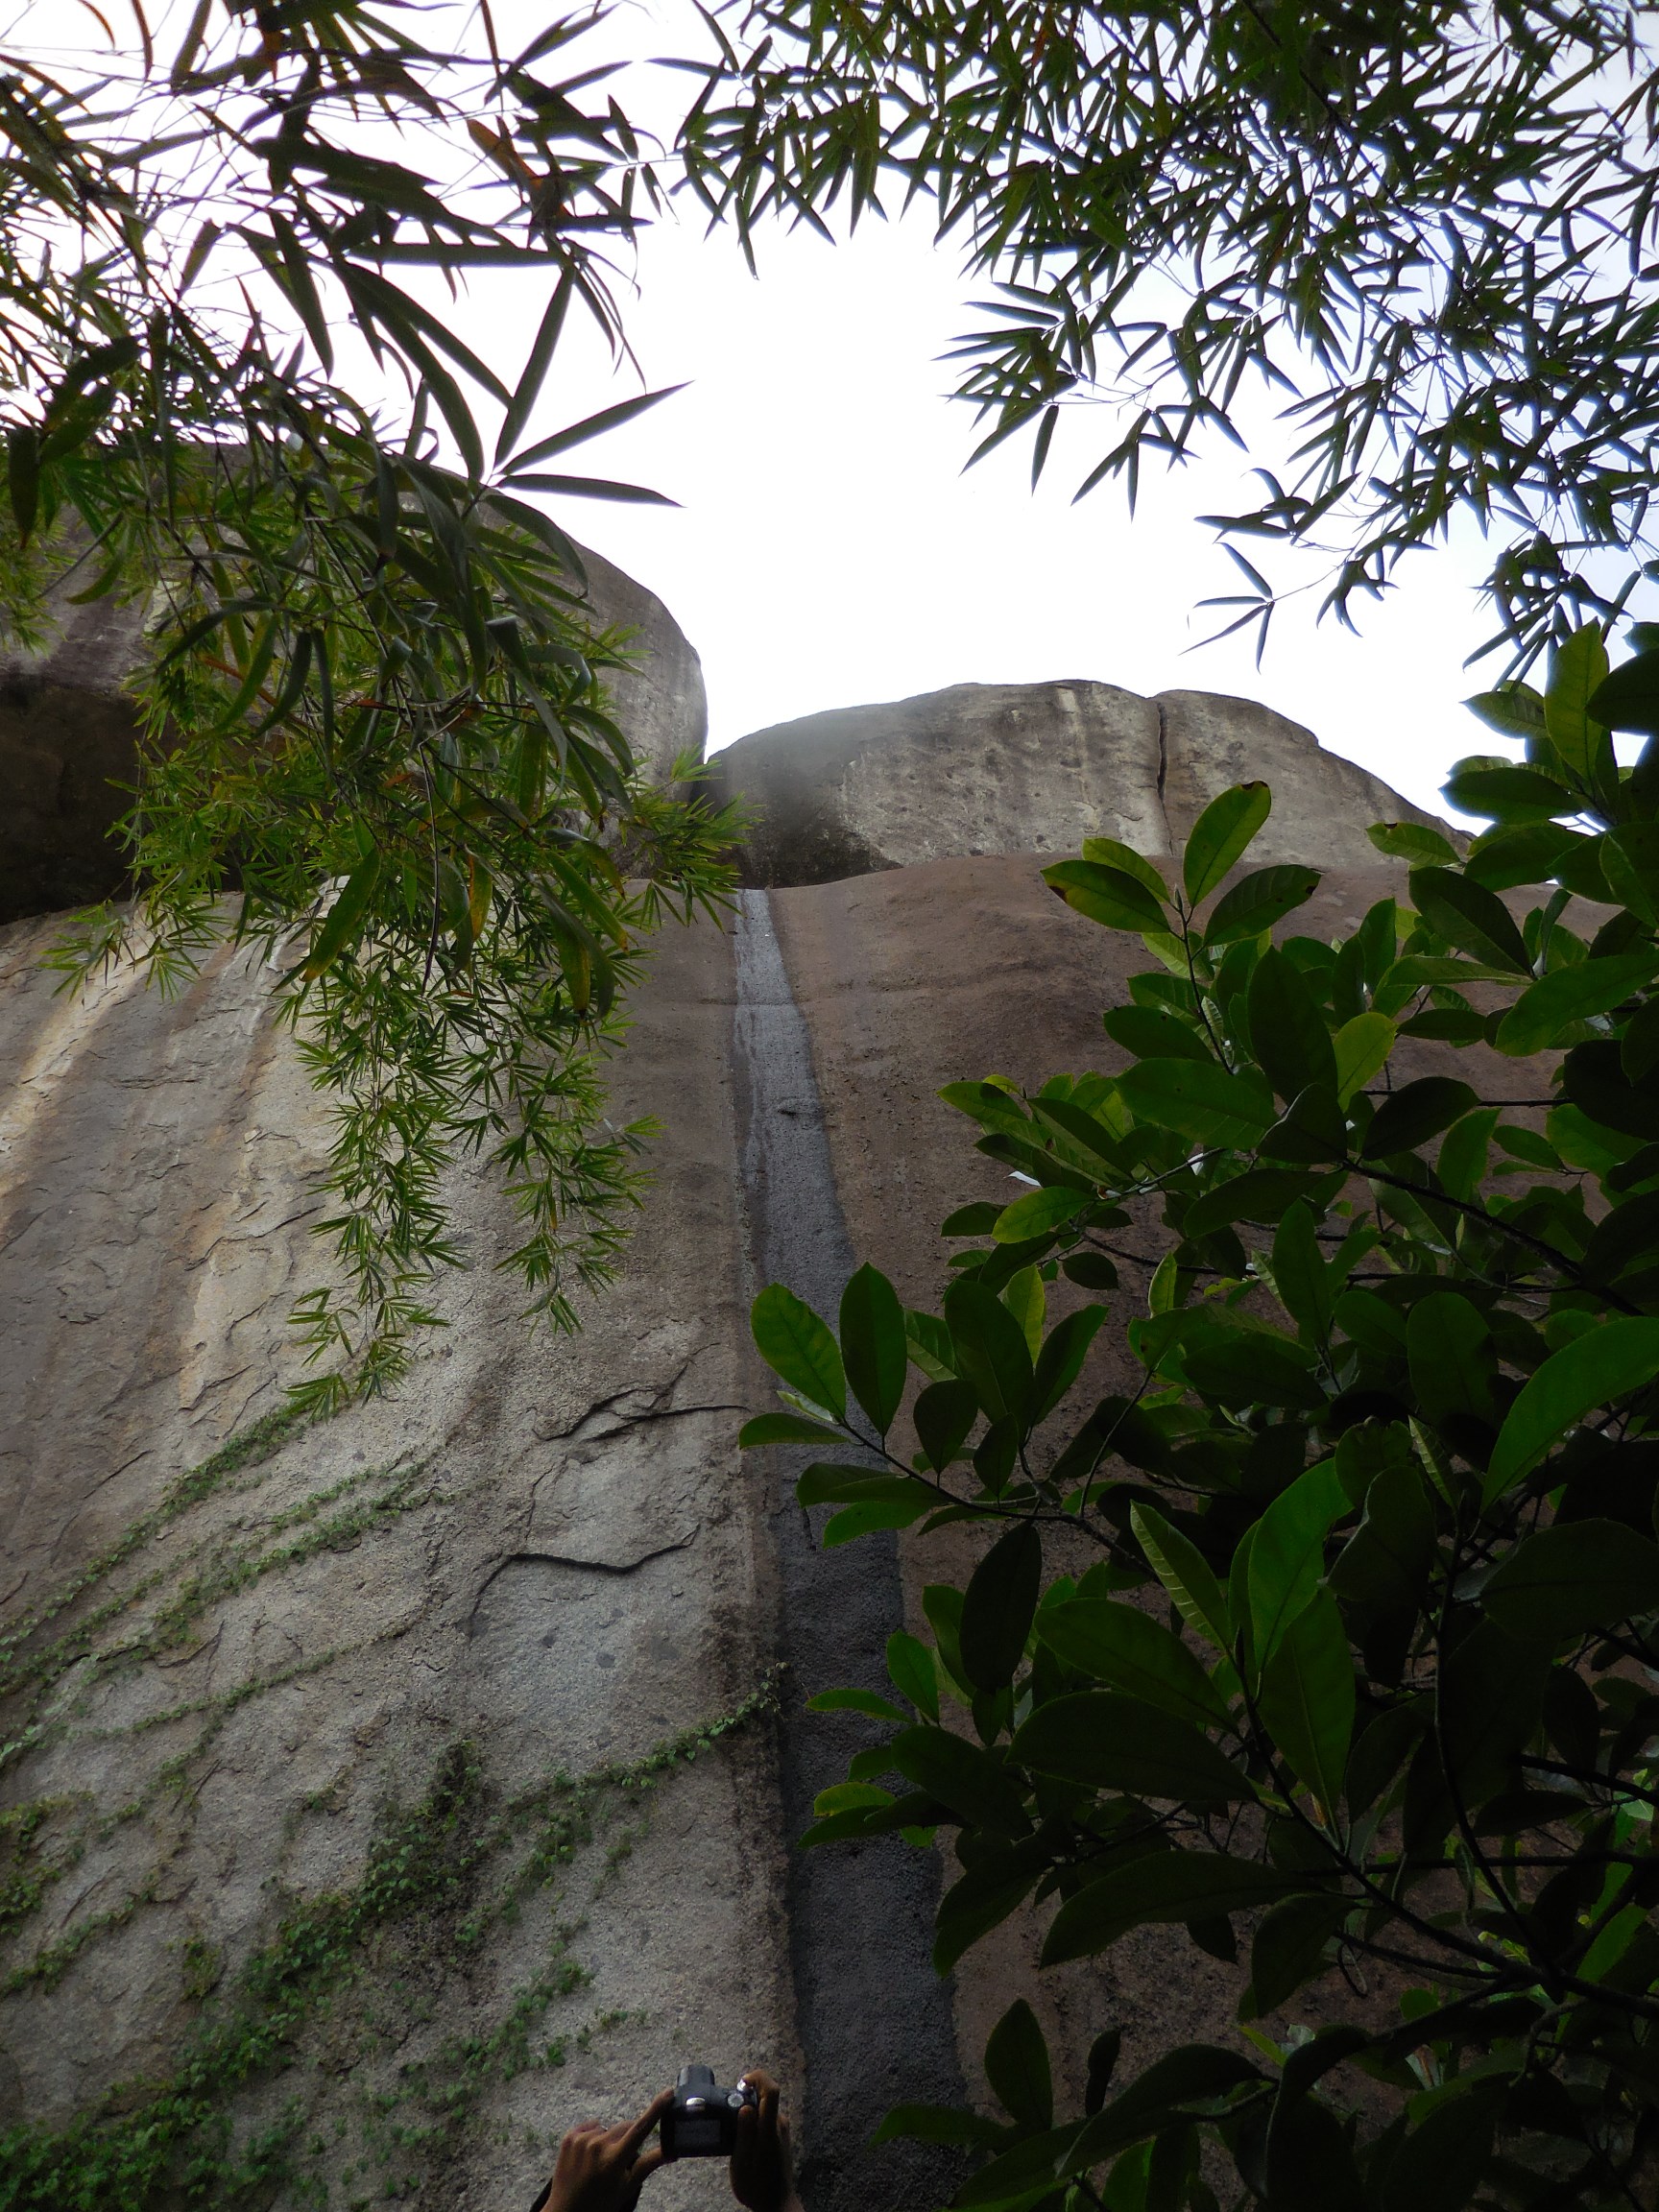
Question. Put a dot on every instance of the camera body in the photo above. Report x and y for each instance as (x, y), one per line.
(702, 2122)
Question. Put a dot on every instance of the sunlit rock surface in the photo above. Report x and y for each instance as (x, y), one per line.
(545, 1560)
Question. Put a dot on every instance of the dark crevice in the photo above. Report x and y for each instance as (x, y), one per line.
(615, 1569)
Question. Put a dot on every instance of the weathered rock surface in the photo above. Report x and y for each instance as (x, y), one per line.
(67, 733)
(1035, 768)
(545, 1558)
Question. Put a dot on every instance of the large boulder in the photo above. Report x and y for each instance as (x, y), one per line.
(1034, 768)
(68, 732)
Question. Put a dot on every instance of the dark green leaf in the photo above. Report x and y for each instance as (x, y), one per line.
(974, 1784)
(952, 2125)
(344, 919)
(1106, 895)
(1194, 2076)
(1206, 1103)
(1469, 916)
(1154, 1033)
(998, 1607)
(1061, 1360)
(1120, 1644)
(1017, 2068)
(1039, 1213)
(1439, 2166)
(1386, 1562)
(1408, 1117)
(1258, 901)
(990, 1349)
(795, 1344)
(1307, 1699)
(944, 1416)
(913, 1672)
(1454, 1363)
(1628, 699)
(1258, 1195)
(1287, 1031)
(1221, 835)
(1287, 1553)
(785, 1428)
(1508, 794)
(873, 1345)
(1245, 1368)
(1170, 1885)
(1573, 1579)
(1603, 1365)
(1568, 995)
(1288, 1947)
(1185, 1573)
(1107, 1740)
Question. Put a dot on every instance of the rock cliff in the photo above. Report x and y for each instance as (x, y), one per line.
(379, 1797)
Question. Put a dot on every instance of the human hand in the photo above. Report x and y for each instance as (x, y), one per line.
(599, 2168)
(762, 2176)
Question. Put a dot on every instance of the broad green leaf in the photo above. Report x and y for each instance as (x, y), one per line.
(1060, 1362)
(1120, 1644)
(951, 2125)
(998, 1607)
(962, 1775)
(1452, 1360)
(1301, 1274)
(1461, 1165)
(1109, 853)
(1170, 1885)
(1412, 841)
(1408, 1117)
(1221, 835)
(1017, 2068)
(1107, 1740)
(1185, 1573)
(1287, 1553)
(1192, 2076)
(1386, 1562)
(796, 1344)
(1154, 1033)
(988, 1348)
(1578, 670)
(834, 1482)
(943, 1414)
(872, 1346)
(1287, 1031)
(1469, 916)
(1628, 699)
(1026, 1299)
(1206, 1103)
(913, 1672)
(1361, 1046)
(929, 1343)
(868, 1516)
(1249, 1368)
(1106, 895)
(994, 1885)
(1038, 1212)
(1570, 994)
(1306, 1698)
(1438, 2167)
(1595, 1369)
(1258, 901)
(1508, 794)
(785, 1428)
(1288, 1947)
(864, 1701)
(1514, 709)
(1258, 1195)
(1573, 1579)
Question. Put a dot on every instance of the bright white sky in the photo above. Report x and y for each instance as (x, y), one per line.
(829, 548)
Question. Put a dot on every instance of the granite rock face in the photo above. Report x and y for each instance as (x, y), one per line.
(68, 732)
(244, 1666)
(1035, 768)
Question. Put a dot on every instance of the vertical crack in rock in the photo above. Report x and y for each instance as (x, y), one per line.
(1163, 776)
(874, 2021)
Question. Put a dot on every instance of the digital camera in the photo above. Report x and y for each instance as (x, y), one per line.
(702, 2122)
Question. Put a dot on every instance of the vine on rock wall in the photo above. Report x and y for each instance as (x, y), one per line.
(318, 2064)
(1386, 1489)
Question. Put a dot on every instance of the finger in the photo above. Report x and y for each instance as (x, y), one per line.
(758, 2078)
(743, 2146)
(635, 2135)
(646, 2164)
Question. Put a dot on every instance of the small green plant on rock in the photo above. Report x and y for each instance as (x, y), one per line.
(1383, 1490)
